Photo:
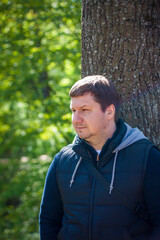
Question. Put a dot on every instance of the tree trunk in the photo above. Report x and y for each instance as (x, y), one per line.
(121, 40)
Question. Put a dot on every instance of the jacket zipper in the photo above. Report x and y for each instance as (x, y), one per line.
(91, 211)
(97, 157)
(98, 162)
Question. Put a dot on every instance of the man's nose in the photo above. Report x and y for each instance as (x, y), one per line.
(76, 118)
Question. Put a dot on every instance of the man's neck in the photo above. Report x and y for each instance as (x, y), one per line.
(98, 143)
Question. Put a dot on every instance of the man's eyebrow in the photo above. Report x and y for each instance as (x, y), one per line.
(85, 105)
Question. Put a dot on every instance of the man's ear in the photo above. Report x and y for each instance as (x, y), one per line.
(110, 111)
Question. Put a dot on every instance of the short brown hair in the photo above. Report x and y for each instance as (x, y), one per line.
(101, 88)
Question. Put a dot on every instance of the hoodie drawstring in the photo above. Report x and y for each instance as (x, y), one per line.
(113, 172)
(74, 173)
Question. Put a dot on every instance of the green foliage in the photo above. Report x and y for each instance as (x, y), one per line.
(20, 197)
(39, 61)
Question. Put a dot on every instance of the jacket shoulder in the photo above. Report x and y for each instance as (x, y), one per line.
(67, 150)
(67, 153)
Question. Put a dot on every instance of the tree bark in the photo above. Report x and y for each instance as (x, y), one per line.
(121, 40)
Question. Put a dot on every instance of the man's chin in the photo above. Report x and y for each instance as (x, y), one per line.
(83, 136)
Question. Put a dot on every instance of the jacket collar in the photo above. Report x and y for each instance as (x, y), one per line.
(86, 151)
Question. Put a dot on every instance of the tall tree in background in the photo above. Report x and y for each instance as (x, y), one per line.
(121, 40)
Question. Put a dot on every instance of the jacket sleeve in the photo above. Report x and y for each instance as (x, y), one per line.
(51, 210)
(152, 191)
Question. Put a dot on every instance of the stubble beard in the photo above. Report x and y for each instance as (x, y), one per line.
(84, 135)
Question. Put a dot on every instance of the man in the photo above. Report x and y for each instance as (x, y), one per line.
(76, 205)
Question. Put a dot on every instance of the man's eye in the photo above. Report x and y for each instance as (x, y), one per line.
(72, 110)
(85, 109)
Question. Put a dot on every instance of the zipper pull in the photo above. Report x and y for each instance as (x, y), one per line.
(97, 157)
(98, 161)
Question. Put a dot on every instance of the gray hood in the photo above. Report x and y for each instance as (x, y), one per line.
(132, 135)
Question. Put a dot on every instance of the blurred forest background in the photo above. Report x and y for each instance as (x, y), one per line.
(39, 61)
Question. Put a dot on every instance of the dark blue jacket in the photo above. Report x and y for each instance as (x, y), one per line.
(75, 205)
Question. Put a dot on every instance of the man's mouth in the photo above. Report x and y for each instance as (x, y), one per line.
(80, 127)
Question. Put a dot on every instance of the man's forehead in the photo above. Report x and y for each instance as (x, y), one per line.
(80, 101)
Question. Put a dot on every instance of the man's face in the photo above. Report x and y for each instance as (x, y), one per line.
(88, 120)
